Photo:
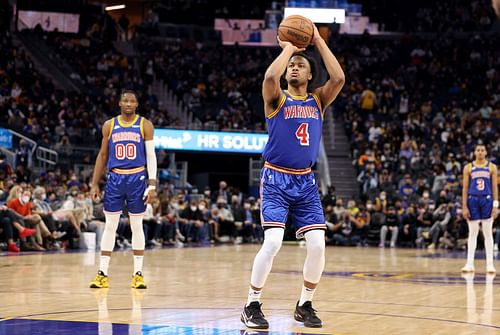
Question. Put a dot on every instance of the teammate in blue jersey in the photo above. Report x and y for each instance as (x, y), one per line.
(288, 186)
(480, 205)
(127, 148)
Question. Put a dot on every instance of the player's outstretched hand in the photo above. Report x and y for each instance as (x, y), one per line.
(149, 194)
(95, 193)
(284, 44)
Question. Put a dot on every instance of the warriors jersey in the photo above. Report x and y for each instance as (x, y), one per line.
(480, 180)
(126, 144)
(294, 131)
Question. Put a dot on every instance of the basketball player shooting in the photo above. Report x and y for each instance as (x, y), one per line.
(294, 119)
(127, 147)
(480, 205)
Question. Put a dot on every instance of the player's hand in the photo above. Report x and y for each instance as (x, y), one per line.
(494, 213)
(149, 194)
(95, 193)
(286, 44)
(466, 213)
(316, 35)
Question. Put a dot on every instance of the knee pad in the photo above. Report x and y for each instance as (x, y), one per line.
(272, 241)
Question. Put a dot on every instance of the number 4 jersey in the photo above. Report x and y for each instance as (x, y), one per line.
(126, 144)
(480, 180)
(294, 131)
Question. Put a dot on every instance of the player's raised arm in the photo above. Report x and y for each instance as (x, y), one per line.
(465, 190)
(150, 159)
(329, 91)
(494, 186)
(271, 89)
(102, 159)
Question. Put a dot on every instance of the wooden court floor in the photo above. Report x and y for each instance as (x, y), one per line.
(202, 291)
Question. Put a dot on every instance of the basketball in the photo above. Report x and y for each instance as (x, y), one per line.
(297, 30)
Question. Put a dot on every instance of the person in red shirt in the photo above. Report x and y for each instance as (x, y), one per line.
(7, 225)
(23, 206)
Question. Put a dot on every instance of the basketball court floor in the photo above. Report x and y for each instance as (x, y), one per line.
(202, 291)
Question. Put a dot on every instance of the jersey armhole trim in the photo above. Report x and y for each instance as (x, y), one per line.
(141, 126)
(316, 98)
(280, 104)
(111, 127)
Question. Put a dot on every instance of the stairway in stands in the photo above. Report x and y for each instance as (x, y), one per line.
(338, 151)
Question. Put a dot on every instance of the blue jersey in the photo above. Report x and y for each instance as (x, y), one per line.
(294, 131)
(126, 144)
(480, 180)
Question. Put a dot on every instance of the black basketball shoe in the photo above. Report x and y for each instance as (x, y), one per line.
(253, 317)
(307, 314)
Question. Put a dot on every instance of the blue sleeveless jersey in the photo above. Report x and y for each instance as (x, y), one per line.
(126, 144)
(294, 132)
(480, 181)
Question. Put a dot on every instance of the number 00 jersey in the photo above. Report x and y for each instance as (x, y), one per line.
(126, 144)
(294, 131)
(480, 180)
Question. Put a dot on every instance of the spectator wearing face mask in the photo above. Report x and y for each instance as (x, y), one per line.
(194, 224)
(225, 219)
(62, 227)
(23, 206)
(381, 203)
(339, 208)
(10, 229)
(441, 218)
(424, 223)
(221, 192)
(407, 189)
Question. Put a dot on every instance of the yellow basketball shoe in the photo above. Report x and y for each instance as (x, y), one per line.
(100, 281)
(138, 281)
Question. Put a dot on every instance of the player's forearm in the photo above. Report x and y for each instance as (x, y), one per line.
(331, 63)
(464, 197)
(278, 66)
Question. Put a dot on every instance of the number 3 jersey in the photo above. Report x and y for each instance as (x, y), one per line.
(294, 131)
(126, 144)
(480, 180)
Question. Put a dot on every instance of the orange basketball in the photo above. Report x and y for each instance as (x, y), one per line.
(297, 30)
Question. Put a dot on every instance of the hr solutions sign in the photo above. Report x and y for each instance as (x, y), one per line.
(193, 140)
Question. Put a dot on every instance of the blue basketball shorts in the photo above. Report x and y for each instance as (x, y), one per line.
(125, 189)
(285, 191)
(480, 207)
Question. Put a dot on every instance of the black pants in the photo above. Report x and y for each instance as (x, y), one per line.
(7, 228)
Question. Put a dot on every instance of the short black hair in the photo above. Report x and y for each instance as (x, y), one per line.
(480, 145)
(129, 91)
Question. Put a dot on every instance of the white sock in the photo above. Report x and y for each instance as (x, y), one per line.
(104, 264)
(138, 260)
(306, 295)
(253, 296)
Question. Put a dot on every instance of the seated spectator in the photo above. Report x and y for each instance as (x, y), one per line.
(23, 206)
(9, 229)
(391, 225)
